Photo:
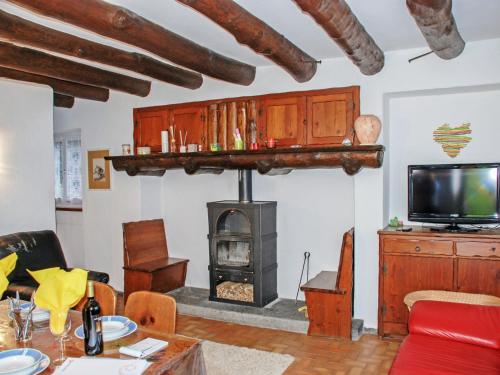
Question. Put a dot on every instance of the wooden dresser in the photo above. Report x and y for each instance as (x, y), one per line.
(423, 259)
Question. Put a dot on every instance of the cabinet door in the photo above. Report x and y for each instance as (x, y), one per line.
(404, 274)
(283, 119)
(192, 120)
(479, 276)
(330, 118)
(148, 125)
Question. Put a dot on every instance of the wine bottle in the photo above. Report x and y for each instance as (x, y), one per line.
(92, 329)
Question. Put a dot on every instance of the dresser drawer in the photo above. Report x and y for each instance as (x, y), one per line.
(417, 246)
(476, 248)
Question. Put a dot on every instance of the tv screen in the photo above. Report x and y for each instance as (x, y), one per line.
(459, 193)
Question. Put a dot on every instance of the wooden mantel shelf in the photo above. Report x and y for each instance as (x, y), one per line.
(265, 161)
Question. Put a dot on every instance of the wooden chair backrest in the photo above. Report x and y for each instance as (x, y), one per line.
(105, 295)
(345, 271)
(144, 241)
(151, 310)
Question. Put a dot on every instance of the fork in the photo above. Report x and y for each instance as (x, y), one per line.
(27, 322)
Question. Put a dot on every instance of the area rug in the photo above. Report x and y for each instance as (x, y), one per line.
(222, 359)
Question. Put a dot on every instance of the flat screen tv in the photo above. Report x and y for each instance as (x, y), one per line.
(454, 194)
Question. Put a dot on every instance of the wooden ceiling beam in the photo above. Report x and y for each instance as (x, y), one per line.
(437, 24)
(126, 26)
(18, 30)
(259, 36)
(338, 20)
(59, 86)
(63, 101)
(36, 62)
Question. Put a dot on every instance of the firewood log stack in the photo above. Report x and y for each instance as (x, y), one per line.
(235, 291)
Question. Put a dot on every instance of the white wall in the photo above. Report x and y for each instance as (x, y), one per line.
(413, 118)
(321, 200)
(314, 209)
(26, 158)
(181, 200)
(103, 210)
(69, 229)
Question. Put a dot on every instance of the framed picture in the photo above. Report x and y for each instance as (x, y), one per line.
(99, 173)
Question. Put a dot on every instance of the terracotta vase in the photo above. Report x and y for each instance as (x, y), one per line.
(367, 129)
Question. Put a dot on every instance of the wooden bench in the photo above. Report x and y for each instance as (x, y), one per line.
(147, 265)
(329, 296)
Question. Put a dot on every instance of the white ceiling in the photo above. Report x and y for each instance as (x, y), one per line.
(388, 21)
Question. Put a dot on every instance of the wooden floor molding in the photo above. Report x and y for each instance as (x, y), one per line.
(313, 355)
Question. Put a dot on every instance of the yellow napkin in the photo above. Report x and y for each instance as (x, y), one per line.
(41, 275)
(59, 290)
(7, 265)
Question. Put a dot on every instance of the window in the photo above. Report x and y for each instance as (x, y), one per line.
(68, 169)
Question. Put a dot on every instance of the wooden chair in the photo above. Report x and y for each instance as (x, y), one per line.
(329, 296)
(152, 311)
(105, 295)
(146, 262)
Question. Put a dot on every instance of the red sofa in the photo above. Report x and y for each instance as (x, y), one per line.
(450, 338)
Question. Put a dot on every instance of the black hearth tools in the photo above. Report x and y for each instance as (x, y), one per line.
(307, 255)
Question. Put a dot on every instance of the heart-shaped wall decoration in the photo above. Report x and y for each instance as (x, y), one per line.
(453, 140)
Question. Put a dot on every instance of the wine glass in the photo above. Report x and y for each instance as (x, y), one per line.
(61, 336)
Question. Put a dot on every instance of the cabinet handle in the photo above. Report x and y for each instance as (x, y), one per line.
(417, 249)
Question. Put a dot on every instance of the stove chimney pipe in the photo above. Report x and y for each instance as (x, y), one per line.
(245, 185)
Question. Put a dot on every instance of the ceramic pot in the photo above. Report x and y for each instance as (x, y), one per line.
(367, 129)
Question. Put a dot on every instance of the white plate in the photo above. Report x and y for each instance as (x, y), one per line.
(112, 331)
(42, 365)
(20, 361)
(112, 326)
(38, 315)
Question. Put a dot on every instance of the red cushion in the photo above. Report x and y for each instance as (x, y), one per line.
(420, 354)
(470, 324)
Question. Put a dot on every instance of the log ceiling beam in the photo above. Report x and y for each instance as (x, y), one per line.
(36, 62)
(59, 86)
(338, 20)
(63, 101)
(126, 26)
(18, 30)
(437, 24)
(259, 36)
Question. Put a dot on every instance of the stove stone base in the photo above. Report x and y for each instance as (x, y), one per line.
(280, 314)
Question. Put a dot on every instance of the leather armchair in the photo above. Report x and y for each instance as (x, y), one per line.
(35, 250)
(450, 338)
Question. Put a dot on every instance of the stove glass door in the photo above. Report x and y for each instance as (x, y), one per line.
(233, 253)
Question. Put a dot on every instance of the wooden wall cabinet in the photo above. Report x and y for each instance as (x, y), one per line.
(148, 125)
(330, 118)
(149, 122)
(423, 260)
(283, 118)
(190, 119)
(306, 118)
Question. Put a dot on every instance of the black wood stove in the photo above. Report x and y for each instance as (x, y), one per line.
(242, 240)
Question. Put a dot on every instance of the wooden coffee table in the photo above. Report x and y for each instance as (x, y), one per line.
(182, 356)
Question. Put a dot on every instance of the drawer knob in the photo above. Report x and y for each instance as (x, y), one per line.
(417, 249)
(493, 248)
(245, 279)
(220, 277)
